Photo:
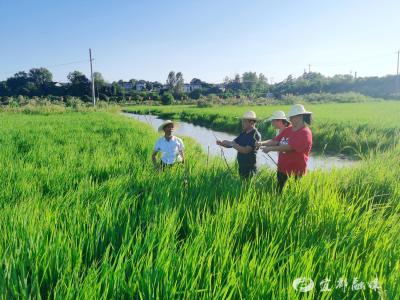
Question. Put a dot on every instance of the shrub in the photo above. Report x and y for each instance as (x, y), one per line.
(87, 98)
(74, 103)
(104, 97)
(167, 99)
(195, 94)
(204, 103)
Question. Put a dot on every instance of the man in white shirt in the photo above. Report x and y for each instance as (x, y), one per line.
(170, 146)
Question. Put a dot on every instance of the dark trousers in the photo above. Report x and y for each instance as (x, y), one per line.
(164, 166)
(282, 178)
(247, 171)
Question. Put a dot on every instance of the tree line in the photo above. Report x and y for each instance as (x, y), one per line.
(39, 82)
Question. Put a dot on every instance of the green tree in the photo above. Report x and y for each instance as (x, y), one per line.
(262, 82)
(17, 81)
(99, 81)
(79, 84)
(167, 98)
(249, 80)
(40, 76)
(175, 82)
(179, 83)
(171, 80)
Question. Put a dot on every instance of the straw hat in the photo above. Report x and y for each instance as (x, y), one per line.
(298, 109)
(250, 115)
(165, 123)
(277, 115)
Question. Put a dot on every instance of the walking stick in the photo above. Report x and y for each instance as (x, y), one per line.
(222, 152)
(271, 159)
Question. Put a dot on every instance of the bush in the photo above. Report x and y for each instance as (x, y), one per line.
(5, 99)
(13, 102)
(155, 97)
(87, 98)
(74, 103)
(195, 94)
(104, 97)
(204, 103)
(101, 104)
(167, 99)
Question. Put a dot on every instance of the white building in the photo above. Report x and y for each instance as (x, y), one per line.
(189, 87)
(140, 86)
(126, 85)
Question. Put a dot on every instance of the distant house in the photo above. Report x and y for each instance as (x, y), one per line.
(220, 86)
(186, 88)
(140, 86)
(269, 95)
(127, 85)
(195, 84)
(60, 84)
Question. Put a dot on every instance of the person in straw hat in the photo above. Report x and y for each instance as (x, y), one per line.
(293, 144)
(279, 122)
(245, 144)
(170, 146)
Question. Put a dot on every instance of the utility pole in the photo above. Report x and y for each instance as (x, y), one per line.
(309, 68)
(91, 75)
(398, 79)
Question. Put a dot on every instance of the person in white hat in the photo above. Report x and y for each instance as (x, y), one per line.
(246, 145)
(170, 146)
(279, 122)
(293, 144)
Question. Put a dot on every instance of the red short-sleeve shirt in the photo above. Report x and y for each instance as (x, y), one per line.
(295, 161)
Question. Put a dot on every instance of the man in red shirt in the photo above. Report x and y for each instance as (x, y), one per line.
(293, 144)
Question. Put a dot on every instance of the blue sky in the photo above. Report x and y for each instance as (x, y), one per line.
(204, 39)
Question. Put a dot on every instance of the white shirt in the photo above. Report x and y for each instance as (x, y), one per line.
(170, 149)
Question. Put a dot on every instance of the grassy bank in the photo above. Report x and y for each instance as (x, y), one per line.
(348, 128)
(84, 215)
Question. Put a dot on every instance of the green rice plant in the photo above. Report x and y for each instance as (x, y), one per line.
(83, 214)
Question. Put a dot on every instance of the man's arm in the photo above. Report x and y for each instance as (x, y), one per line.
(268, 143)
(242, 149)
(280, 148)
(154, 157)
(225, 143)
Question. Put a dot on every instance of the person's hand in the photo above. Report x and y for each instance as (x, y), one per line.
(258, 144)
(266, 149)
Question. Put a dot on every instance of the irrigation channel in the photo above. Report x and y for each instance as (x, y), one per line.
(206, 138)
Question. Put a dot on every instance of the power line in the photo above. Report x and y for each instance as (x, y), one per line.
(69, 63)
(353, 61)
(53, 66)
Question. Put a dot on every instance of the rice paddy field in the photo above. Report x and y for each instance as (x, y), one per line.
(84, 215)
(353, 129)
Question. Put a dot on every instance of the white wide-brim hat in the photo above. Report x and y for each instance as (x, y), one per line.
(277, 115)
(298, 109)
(165, 123)
(250, 115)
